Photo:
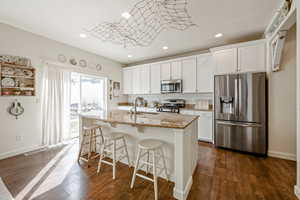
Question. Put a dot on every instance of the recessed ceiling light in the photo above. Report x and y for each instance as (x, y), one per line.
(126, 15)
(82, 35)
(165, 48)
(219, 35)
(129, 56)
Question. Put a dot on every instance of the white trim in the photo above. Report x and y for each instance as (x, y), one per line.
(297, 191)
(182, 195)
(282, 155)
(238, 45)
(72, 68)
(20, 151)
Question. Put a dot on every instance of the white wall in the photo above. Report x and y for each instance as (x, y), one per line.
(282, 103)
(17, 42)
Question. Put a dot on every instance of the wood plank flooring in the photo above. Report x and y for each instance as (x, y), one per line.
(220, 175)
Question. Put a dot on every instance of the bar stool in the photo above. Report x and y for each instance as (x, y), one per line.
(91, 138)
(110, 148)
(155, 147)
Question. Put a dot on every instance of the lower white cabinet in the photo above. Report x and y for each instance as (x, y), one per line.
(205, 124)
(205, 127)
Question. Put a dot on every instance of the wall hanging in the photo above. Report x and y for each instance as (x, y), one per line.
(16, 109)
(144, 22)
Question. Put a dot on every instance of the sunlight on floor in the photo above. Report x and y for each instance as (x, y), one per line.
(51, 175)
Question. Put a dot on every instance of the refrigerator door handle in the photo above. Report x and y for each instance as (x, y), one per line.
(236, 97)
(239, 124)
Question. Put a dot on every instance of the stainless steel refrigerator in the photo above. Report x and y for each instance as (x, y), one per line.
(240, 112)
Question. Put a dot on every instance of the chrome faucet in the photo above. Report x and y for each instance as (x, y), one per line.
(140, 99)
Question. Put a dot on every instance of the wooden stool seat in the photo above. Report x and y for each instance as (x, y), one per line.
(149, 144)
(91, 127)
(114, 135)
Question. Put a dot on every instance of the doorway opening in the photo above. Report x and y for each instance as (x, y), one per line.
(87, 95)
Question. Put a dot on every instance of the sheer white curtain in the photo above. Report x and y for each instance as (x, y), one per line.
(55, 105)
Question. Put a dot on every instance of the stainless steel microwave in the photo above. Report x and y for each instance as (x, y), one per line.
(171, 86)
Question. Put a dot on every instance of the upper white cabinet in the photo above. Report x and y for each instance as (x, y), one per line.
(171, 70)
(165, 69)
(252, 58)
(205, 73)
(189, 75)
(136, 80)
(127, 81)
(243, 57)
(176, 70)
(155, 79)
(196, 72)
(144, 79)
(226, 61)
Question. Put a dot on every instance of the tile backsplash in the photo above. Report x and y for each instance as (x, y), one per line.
(189, 98)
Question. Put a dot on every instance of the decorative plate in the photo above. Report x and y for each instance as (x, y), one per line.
(62, 58)
(82, 63)
(8, 71)
(98, 67)
(27, 73)
(8, 82)
(73, 61)
(19, 72)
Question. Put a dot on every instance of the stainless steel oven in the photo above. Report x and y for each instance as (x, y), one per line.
(171, 86)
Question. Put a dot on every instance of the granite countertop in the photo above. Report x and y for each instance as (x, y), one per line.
(162, 120)
(190, 107)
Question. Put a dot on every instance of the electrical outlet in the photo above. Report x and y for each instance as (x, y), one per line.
(18, 138)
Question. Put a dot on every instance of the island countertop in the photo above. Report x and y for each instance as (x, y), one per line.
(162, 120)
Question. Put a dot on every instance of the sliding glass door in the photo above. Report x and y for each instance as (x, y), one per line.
(87, 95)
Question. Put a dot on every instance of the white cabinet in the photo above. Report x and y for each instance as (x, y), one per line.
(205, 73)
(127, 81)
(252, 58)
(171, 70)
(155, 79)
(243, 57)
(176, 70)
(144, 79)
(205, 124)
(189, 75)
(136, 75)
(226, 61)
(165, 69)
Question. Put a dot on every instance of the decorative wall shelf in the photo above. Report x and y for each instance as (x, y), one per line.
(17, 80)
(289, 20)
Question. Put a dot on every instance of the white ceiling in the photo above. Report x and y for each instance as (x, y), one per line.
(64, 20)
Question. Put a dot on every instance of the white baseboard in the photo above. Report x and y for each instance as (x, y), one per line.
(182, 195)
(4, 193)
(297, 191)
(286, 156)
(19, 151)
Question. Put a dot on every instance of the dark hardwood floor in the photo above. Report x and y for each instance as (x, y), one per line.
(220, 174)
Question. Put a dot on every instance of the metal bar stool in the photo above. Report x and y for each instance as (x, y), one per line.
(91, 138)
(155, 147)
(110, 149)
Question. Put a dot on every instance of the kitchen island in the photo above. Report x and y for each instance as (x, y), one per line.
(178, 132)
